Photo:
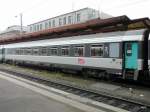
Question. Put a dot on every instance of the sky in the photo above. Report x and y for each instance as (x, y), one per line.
(37, 10)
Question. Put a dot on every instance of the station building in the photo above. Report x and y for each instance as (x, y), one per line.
(13, 31)
(73, 17)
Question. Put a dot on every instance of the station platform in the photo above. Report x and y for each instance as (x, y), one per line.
(15, 98)
(21, 95)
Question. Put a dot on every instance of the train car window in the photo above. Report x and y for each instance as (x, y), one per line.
(8, 51)
(17, 51)
(24, 51)
(97, 50)
(79, 51)
(54, 51)
(129, 49)
(35, 51)
(44, 51)
(114, 50)
(106, 50)
(28, 51)
(65, 51)
(21, 51)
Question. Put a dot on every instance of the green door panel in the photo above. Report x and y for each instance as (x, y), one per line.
(131, 55)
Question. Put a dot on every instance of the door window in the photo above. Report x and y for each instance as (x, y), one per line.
(129, 49)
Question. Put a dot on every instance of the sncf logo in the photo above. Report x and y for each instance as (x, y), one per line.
(81, 61)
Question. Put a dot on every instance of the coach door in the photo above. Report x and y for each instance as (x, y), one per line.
(3, 54)
(131, 55)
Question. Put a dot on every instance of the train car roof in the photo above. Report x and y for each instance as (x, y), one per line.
(119, 36)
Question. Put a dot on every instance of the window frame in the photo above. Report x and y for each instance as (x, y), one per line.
(41, 26)
(96, 47)
(53, 23)
(38, 28)
(46, 25)
(26, 51)
(31, 29)
(69, 19)
(79, 46)
(60, 21)
(49, 24)
(78, 17)
(33, 52)
(51, 54)
(65, 47)
(64, 21)
(44, 53)
(129, 49)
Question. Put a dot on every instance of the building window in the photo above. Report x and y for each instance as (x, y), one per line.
(54, 51)
(64, 20)
(30, 28)
(34, 27)
(65, 51)
(79, 51)
(78, 17)
(40, 26)
(91, 14)
(49, 24)
(97, 50)
(37, 27)
(69, 19)
(46, 25)
(60, 21)
(53, 23)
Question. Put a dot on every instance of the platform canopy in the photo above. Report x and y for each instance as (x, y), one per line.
(120, 23)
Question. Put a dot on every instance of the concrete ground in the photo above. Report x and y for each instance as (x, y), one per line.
(21, 95)
(14, 98)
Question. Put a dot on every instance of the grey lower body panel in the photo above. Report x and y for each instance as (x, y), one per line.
(111, 65)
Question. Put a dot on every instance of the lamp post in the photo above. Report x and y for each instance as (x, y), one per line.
(21, 24)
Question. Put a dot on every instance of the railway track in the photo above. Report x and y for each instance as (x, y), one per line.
(129, 105)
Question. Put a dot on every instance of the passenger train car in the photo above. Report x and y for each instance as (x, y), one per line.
(122, 54)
